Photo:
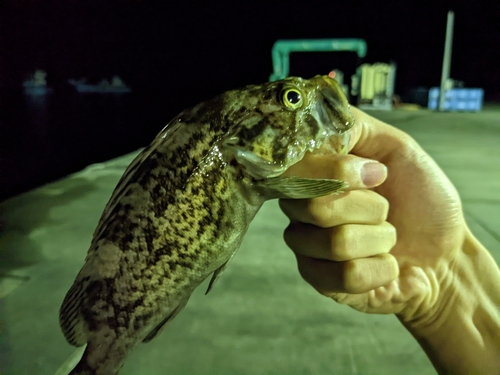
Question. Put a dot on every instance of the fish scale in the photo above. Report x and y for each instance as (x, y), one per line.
(181, 209)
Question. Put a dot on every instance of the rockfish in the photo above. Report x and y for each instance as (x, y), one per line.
(182, 207)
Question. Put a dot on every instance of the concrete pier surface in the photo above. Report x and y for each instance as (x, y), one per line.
(261, 317)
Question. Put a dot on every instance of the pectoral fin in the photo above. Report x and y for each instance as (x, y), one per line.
(301, 188)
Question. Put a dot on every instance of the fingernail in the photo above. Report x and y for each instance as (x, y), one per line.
(373, 174)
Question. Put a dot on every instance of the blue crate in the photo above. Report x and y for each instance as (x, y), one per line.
(458, 99)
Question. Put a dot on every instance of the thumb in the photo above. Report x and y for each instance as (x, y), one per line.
(360, 173)
(374, 139)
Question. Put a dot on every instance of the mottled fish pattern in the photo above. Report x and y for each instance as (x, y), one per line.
(181, 209)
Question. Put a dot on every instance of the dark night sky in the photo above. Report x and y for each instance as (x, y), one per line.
(193, 51)
(175, 54)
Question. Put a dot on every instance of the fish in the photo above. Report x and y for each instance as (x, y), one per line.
(180, 211)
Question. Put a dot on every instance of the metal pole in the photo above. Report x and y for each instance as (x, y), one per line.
(445, 74)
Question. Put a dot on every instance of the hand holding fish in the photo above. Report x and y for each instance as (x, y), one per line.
(397, 242)
(180, 211)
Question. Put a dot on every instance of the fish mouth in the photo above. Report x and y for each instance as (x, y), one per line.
(334, 108)
(334, 116)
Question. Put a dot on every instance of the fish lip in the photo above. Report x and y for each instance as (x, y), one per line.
(337, 109)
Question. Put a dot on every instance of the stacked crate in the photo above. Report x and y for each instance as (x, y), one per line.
(458, 99)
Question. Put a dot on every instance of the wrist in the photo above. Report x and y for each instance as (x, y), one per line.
(460, 331)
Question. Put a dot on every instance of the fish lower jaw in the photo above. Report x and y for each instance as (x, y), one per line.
(257, 167)
(335, 144)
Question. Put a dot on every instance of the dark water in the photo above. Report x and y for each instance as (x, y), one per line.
(47, 137)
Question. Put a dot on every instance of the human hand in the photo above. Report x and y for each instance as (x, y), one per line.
(346, 245)
(397, 242)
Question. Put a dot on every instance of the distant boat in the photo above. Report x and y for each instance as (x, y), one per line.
(116, 86)
(36, 85)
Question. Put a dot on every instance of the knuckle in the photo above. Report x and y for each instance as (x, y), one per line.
(391, 233)
(318, 213)
(370, 207)
(287, 236)
(323, 292)
(353, 281)
(380, 210)
(291, 208)
(285, 206)
(290, 237)
(341, 243)
(306, 274)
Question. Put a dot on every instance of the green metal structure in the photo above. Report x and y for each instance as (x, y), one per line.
(283, 48)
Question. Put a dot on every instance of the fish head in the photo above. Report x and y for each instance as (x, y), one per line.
(273, 125)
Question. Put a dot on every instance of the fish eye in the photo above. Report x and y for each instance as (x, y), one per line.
(292, 98)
